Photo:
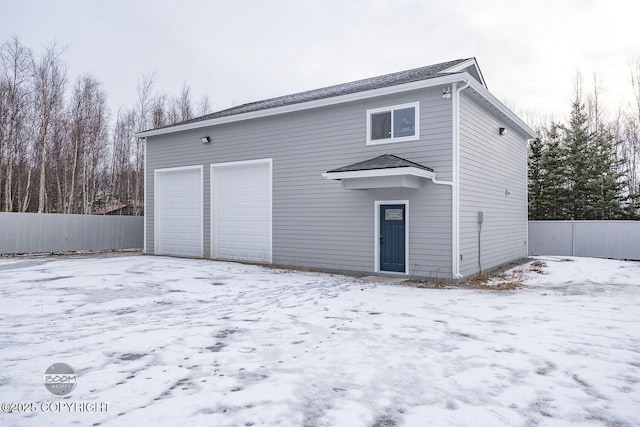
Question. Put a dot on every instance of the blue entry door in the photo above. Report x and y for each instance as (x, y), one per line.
(392, 238)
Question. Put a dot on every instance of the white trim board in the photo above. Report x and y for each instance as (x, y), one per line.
(421, 84)
(464, 65)
(369, 173)
(145, 211)
(391, 109)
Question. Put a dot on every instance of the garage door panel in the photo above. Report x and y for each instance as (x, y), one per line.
(179, 212)
(241, 211)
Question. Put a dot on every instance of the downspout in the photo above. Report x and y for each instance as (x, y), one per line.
(455, 188)
(455, 202)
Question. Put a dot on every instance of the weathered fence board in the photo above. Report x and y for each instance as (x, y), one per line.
(598, 239)
(46, 233)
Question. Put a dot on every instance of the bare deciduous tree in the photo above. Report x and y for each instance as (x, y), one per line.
(144, 118)
(49, 79)
(204, 106)
(632, 131)
(88, 138)
(184, 103)
(15, 73)
(61, 145)
(122, 171)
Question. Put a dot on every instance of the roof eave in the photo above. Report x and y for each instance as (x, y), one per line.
(371, 173)
(435, 81)
(501, 107)
(465, 64)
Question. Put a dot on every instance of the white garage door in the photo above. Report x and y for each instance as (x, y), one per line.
(241, 211)
(178, 211)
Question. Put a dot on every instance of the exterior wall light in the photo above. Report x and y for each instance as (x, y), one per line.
(502, 131)
(205, 139)
(446, 93)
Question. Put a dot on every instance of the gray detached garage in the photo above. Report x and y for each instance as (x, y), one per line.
(387, 175)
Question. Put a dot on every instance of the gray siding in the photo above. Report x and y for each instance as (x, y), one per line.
(315, 222)
(45, 233)
(489, 165)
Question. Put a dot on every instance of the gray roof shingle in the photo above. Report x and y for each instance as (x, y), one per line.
(386, 161)
(408, 76)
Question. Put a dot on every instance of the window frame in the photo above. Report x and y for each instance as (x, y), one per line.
(391, 109)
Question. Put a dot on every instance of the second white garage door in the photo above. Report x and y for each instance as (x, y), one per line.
(241, 211)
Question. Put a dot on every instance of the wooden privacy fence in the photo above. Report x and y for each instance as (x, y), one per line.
(598, 239)
(47, 233)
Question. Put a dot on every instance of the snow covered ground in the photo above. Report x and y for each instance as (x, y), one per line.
(163, 341)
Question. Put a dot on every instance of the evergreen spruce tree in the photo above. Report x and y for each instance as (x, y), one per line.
(608, 187)
(577, 170)
(535, 175)
(554, 192)
(579, 159)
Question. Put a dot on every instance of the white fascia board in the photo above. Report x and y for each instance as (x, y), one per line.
(370, 173)
(463, 65)
(436, 81)
(502, 108)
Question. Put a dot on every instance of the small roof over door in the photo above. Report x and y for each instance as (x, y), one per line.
(386, 171)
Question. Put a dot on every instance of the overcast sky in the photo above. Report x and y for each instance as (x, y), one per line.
(238, 51)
